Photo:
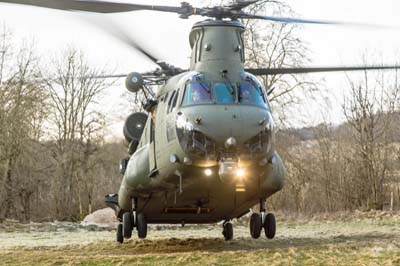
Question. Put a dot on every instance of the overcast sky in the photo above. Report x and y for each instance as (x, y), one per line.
(168, 35)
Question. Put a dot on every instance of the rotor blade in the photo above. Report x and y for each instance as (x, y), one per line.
(106, 25)
(240, 4)
(117, 76)
(92, 6)
(304, 70)
(311, 21)
(116, 31)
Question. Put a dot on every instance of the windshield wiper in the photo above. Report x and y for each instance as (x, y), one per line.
(202, 85)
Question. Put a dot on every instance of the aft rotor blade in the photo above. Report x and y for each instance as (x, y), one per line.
(304, 70)
(311, 21)
(92, 6)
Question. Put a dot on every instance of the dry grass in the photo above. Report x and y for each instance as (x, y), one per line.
(360, 241)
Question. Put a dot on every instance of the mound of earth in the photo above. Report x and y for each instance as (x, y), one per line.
(103, 217)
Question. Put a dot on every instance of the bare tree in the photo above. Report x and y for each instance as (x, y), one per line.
(369, 111)
(22, 110)
(77, 126)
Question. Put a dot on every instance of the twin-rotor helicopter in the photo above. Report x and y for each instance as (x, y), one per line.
(204, 150)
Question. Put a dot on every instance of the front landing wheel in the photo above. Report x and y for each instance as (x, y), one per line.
(141, 225)
(270, 226)
(255, 225)
(127, 221)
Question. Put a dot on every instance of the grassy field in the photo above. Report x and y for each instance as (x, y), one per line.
(366, 240)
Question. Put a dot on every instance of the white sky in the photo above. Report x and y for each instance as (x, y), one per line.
(168, 35)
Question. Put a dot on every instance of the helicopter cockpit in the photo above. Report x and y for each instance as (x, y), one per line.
(247, 92)
(214, 114)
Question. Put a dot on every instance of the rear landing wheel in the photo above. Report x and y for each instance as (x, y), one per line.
(120, 237)
(227, 231)
(141, 225)
(255, 225)
(270, 226)
(127, 221)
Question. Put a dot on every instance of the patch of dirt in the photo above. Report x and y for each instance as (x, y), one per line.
(365, 239)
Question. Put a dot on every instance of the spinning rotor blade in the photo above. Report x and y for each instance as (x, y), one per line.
(239, 5)
(310, 21)
(233, 11)
(304, 70)
(92, 6)
(110, 27)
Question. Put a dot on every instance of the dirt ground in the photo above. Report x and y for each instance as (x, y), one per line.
(359, 239)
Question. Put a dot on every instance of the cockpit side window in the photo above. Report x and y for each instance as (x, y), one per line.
(250, 94)
(171, 98)
(197, 93)
(175, 100)
(224, 93)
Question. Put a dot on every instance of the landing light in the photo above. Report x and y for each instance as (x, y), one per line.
(240, 172)
(208, 172)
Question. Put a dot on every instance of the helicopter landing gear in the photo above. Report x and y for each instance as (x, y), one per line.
(120, 236)
(127, 224)
(141, 226)
(262, 220)
(267, 221)
(255, 225)
(270, 226)
(227, 230)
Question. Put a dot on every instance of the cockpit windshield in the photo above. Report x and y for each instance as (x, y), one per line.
(245, 92)
(197, 93)
(224, 93)
(249, 94)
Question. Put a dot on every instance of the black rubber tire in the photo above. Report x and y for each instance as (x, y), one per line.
(270, 226)
(141, 225)
(228, 231)
(127, 219)
(120, 237)
(255, 225)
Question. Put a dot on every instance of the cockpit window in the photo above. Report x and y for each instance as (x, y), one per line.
(197, 93)
(249, 94)
(224, 93)
(245, 92)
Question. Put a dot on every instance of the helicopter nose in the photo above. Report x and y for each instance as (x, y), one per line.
(228, 126)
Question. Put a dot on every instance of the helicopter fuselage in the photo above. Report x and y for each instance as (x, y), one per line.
(207, 151)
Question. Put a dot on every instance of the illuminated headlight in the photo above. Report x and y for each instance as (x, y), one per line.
(240, 173)
(208, 172)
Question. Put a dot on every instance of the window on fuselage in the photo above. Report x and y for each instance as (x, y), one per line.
(250, 94)
(224, 93)
(197, 93)
(171, 98)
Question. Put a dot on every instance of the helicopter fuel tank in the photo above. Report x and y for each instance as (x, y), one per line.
(273, 176)
(136, 175)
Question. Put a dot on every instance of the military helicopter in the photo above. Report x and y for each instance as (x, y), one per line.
(203, 152)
